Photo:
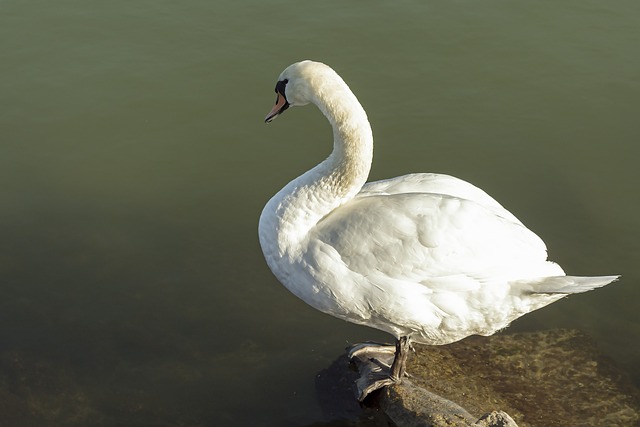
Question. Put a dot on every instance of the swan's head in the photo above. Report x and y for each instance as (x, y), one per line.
(297, 85)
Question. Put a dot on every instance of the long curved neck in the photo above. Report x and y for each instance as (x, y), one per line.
(301, 204)
(347, 168)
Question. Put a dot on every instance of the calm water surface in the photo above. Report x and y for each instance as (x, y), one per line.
(134, 164)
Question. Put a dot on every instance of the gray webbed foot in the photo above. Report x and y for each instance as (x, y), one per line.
(379, 365)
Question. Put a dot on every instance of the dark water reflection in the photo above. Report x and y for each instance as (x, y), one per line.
(134, 165)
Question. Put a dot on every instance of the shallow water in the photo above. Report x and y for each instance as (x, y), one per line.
(134, 165)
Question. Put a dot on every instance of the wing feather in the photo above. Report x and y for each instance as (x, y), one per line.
(422, 236)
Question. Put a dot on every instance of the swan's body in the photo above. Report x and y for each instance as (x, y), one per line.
(424, 256)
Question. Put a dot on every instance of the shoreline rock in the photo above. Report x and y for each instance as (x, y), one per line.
(408, 405)
(550, 378)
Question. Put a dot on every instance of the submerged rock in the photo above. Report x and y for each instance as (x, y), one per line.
(552, 378)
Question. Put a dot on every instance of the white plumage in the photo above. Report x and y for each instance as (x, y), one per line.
(424, 256)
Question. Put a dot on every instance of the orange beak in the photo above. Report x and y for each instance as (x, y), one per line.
(281, 105)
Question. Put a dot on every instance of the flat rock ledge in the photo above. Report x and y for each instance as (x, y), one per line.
(551, 378)
(409, 405)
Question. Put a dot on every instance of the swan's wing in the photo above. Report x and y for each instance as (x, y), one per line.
(430, 239)
(436, 184)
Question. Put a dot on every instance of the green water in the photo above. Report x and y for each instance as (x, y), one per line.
(134, 163)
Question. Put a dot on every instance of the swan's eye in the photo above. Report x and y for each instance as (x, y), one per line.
(280, 86)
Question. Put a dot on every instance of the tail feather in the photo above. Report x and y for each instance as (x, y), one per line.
(564, 284)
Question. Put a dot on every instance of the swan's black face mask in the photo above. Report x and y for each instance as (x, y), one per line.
(281, 101)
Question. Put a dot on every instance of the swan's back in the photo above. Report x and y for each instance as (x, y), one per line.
(436, 184)
(424, 237)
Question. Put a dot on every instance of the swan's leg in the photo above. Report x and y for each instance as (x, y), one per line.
(377, 367)
(399, 365)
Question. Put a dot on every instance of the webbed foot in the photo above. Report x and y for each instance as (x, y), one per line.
(379, 365)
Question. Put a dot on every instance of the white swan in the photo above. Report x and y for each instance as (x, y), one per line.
(427, 258)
